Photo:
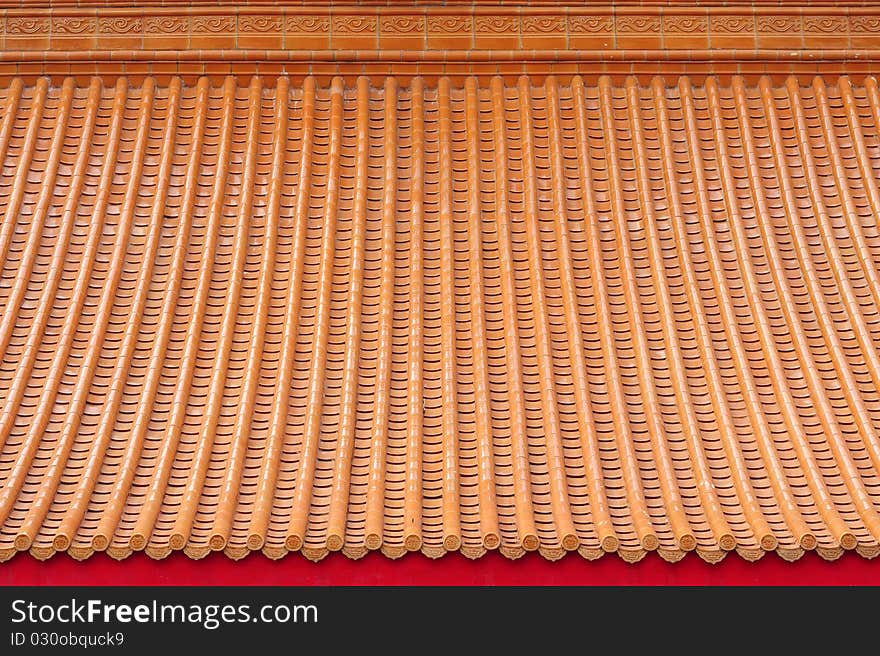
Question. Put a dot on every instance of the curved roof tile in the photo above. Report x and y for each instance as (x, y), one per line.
(515, 316)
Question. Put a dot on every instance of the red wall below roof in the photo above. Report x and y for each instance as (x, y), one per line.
(454, 569)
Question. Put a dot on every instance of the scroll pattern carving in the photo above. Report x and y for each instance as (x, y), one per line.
(643, 24)
(783, 24)
(403, 24)
(260, 23)
(449, 24)
(166, 24)
(308, 24)
(23, 25)
(496, 24)
(544, 24)
(72, 25)
(685, 24)
(355, 24)
(591, 24)
(214, 24)
(826, 24)
(120, 25)
(863, 24)
(732, 24)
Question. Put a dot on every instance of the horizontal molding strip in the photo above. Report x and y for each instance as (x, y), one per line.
(571, 32)
(194, 9)
(418, 4)
(478, 56)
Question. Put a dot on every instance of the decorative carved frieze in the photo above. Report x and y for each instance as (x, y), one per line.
(402, 24)
(544, 24)
(23, 25)
(355, 24)
(260, 23)
(308, 24)
(450, 24)
(777, 24)
(591, 23)
(685, 24)
(496, 24)
(865, 24)
(120, 25)
(73, 25)
(639, 24)
(214, 24)
(732, 24)
(651, 28)
(166, 25)
(826, 24)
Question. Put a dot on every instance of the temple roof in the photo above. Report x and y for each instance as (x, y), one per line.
(264, 315)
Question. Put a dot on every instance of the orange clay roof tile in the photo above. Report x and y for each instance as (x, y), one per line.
(517, 316)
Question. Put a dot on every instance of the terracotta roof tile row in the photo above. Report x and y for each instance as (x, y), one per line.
(515, 316)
